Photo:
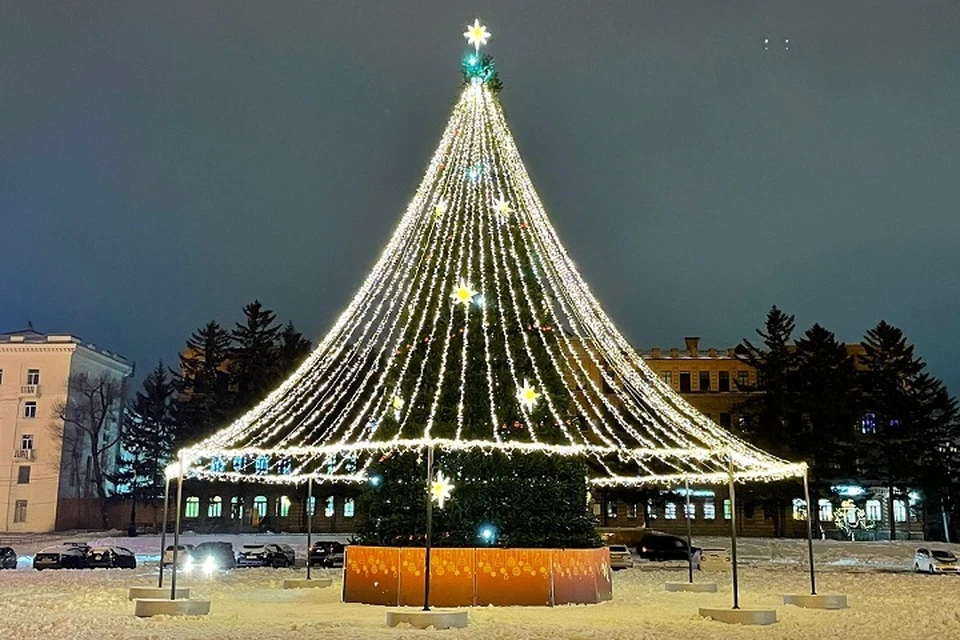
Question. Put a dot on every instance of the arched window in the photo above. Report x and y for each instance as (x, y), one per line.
(216, 464)
(192, 508)
(799, 509)
(826, 510)
(283, 506)
(236, 508)
(329, 509)
(215, 507)
(260, 506)
(348, 508)
(239, 462)
(263, 464)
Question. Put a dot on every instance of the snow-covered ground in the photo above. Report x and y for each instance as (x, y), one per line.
(887, 600)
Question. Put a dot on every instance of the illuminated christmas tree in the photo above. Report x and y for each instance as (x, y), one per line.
(476, 335)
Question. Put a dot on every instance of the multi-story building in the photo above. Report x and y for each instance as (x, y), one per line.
(45, 461)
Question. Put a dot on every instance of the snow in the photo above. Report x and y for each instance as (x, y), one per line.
(887, 600)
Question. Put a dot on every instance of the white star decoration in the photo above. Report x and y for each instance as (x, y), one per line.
(463, 293)
(502, 207)
(440, 489)
(476, 34)
(528, 395)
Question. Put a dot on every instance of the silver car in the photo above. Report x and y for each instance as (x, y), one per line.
(620, 557)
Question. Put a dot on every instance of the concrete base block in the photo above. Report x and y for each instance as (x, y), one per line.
(147, 607)
(693, 587)
(157, 592)
(819, 601)
(437, 618)
(741, 616)
(312, 583)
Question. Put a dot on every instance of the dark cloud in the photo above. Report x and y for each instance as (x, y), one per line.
(163, 163)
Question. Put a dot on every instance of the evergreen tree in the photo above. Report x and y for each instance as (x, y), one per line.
(292, 349)
(254, 354)
(203, 401)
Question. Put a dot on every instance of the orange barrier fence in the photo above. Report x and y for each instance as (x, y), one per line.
(466, 577)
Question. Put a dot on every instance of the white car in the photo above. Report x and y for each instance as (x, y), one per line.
(184, 555)
(620, 557)
(935, 561)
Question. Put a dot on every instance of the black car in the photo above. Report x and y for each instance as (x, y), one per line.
(661, 546)
(111, 558)
(212, 556)
(8, 558)
(262, 555)
(60, 557)
(326, 553)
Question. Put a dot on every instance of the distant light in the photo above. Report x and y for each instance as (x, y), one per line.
(849, 490)
(488, 533)
(375, 480)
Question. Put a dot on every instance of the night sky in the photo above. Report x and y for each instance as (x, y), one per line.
(163, 163)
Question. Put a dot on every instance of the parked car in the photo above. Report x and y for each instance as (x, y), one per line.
(213, 556)
(60, 557)
(83, 546)
(326, 553)
(620, 556)
(111, 558)
(290, 553)
(184, 555)
(262, 555)
(8, 558)
(935, 561)
(661, 546)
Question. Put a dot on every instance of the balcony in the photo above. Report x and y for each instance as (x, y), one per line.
(30, 390)
(23, 455)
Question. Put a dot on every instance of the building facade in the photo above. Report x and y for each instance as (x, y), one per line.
(45, 463)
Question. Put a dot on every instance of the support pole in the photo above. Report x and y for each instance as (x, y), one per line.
(163, 528)
(686, 516)
(806, 495)
(733, 533)
(426, 569)
(176, 529)
(309, 520)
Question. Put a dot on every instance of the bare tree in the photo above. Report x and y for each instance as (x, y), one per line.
(91, 427)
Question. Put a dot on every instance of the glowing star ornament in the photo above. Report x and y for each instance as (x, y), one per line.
(463, 294)
(440, 489)
(502, 208)
(476, 34)
(528, 395)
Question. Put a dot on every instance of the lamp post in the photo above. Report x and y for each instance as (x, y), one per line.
(176, 528)
(169, 473)
(426, 562)
(686, 516)
(806, 495)
(309, 520)
(733, 532)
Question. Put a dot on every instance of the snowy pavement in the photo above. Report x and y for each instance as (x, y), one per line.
(249, 603)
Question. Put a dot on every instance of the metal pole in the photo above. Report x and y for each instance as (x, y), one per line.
(946, 522)
(163, 528)
(309, 520)
(686, 515)
(733, 534)
(176, 529)
(426, 568)
(806, 495)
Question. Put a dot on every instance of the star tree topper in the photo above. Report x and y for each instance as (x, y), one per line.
(440, 489)
(476, 34)
(463, 293)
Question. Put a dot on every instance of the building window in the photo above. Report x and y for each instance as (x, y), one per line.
(312, 505)
(723, 381)
(236, 508)
(651, 512)
(329, 509)
(799, 509)
(670, 511)
(215, 507)
(684, 382)
(874, 511)
(260, 506)
(611, 509)
(704, 381)
(216, 465)
(283, 507)
(286, 467)
(33, 376)
(262, 465)
(899, 511)
(30, 409)
(1, 376)
(26, 441)
(348, 508)
(868, 423)
(192, 508)
(725, 420)
(667, 377)
(239, 462)
(690, 511)
(23, 474)
(632, 509)
(825, 510)
(743, 379)
(20, 511)
(709, 511)
(726, 510)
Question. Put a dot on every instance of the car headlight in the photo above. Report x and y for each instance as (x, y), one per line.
(209, 565)
(188, 565)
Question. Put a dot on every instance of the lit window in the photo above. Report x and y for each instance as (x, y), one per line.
(651, 512)
(690, 511)
(348, 508)
(868, 423)
(26, 441)
(192, 508)
(799, 509)
(709, 511)
(239, 462)
(236, 508)
(825, 511)
(312, 505)
(612, 509)
(632, 509)
(329, 509)
(260, 506)
(215, 507)
(726, 510)
(33, 376)
(874, 511)
(20, 511)
(30, 409)
(283, 507)
(263, 464)
(23, 474)
(899, 511)
(286, 467)
(670, 511)
(216, 465)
